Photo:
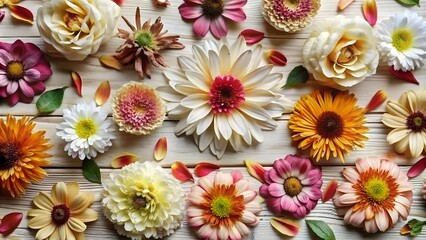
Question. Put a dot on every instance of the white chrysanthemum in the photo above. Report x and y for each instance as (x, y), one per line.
(225, 93)
(143, 201)
(87, 130)
(402, 41)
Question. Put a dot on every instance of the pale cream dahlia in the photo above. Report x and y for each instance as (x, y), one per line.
(143, 200)
(138, 109)
(407, 117)
(224, 94)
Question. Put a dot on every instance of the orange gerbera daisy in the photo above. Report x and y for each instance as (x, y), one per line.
(22, 154)
(328, 124)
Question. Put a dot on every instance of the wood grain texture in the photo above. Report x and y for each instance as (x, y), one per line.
(277, 143)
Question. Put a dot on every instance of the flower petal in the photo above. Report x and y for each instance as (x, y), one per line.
(369, 9)
(181, 172)
(378, 99)
(255, 170)
(252, 36)
(123, 160)
(403, 75)
(160, 149)
(218, 27)
(189, 11)
(204, 168)
(276, 57)
(236, 15)
(10, 222)
(102, 93)
(201, 26)
(417, 168)
(329, 190)
(2, 13)
(343, 4)
(110, 62)
(78, 82)
(21, 13)
(287, 227)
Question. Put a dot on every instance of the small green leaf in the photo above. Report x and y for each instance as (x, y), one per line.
(297, 76)
(91, 171)
(321, 229)
(415, 226)
(50, 100)
(409, 2)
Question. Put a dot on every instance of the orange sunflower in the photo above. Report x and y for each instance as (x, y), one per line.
(328, 124)
(22, 154)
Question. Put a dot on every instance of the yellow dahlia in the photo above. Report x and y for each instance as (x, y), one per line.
(328, 124)
(22, 154)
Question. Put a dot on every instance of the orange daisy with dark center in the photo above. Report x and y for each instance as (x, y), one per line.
(226, 94)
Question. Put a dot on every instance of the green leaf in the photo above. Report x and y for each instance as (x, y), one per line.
(51, 100)
(321, 229)
(297, 76)
(415, 226)
(409, 2)
(91, 171)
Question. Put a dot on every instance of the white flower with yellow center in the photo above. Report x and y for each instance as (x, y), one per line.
(402, 40)
(143, 201)
(87, 130)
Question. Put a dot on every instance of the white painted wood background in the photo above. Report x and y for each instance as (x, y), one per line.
(277, 143)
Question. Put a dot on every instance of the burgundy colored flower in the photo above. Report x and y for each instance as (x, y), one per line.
(23, 70)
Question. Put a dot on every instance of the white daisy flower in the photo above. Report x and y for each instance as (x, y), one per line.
(87, 130)
(402, 40)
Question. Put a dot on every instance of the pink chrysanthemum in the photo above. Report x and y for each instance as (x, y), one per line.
(292, 186)
(222, 206)
(211, 14)
(377, 194)
(23, 70)
(138, 109)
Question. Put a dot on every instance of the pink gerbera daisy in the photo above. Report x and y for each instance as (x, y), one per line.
(211, 14)
(23, 70)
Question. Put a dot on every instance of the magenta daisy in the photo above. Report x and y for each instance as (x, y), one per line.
(211, 14)
(23, 70)
(138, 109)
(292, 186)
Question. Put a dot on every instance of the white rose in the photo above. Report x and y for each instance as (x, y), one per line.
(77, 28)
(341, 52)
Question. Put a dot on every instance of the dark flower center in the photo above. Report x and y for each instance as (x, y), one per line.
(9, 155)
(139, 202)
(292, 186)
(330, 125)
(416, 121)
(15, 70)
(212, 8)
(226, 94)
(60, 214)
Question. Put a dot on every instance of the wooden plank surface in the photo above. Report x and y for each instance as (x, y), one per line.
(277, 143)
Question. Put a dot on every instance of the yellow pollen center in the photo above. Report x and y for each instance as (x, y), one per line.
(291, 4)
(15, 70)
(139, 108)
(292, 186)
(85, 128)
(377, 189)
(221, 206)
(402, 39)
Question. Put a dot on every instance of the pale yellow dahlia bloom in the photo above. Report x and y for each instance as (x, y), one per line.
(143, 200)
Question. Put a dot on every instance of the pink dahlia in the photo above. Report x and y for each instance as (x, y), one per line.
(377, 194)
(222, 206)
(292, 186)
(23, 70)
(211, 14)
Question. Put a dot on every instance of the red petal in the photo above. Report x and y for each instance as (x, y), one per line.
(406, 76)
(417, 168)
(123, 160)
(102, 93)
(10, 222)
(2, 13)
(119, 2)
(378, 99)
(78, 82)
(160, 149)
(181, 172)
(21, 13)
(204, 168)
(329, 190)
(369, 9)
(275, 57)
(255, 170)
(287, 227)
(252, 36)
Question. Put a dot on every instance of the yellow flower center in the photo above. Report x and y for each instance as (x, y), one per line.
(145, 39)
(85, 128)
(291, 4)
(402, 39)
(9, 155)
(221, 206)
(212, 8)
(72, 21)
(15, 70)
(292, 186)
(377, 189)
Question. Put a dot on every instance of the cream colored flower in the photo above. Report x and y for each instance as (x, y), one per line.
(143, 201)
(77, 28)
(341, 52)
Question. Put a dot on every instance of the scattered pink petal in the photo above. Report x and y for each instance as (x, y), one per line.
(276, 57)
(369, 9)
(204, 168)
(417, 168)
(123, 160)
(21, 13)
(378, 99)
(119, 2)
(160, 149)
(2, 13)
(329, 190)
(162, 3)
(255, 170)
(252, 36)
(10, 222)
(102, 93)
(181, 172)
(110, 62)
(78, 82)
(287, 227)
(343, 4)
(236, 176)
(406, 76)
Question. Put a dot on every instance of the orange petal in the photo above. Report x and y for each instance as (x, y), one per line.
(406, 76)
(343, 4)
(369, 9)
(417, 168)
(287, 227)
(255, 170)
(252, 36)
(181, 172)
(378, 99)
(329, 190)
(110, 62)
(160, 149)
(204, 168)
(21, 13)
(10, 222)
(276, 57)
(102, 93)
(123, 160)
(405, 230)
(162, 3)
(78, 82)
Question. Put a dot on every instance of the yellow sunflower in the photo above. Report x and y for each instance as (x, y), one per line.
(22, 154)
(328, 124)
